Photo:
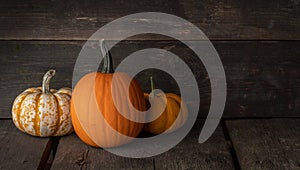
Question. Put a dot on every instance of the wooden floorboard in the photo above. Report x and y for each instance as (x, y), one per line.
(256, 143)
(266, 143)
(72, 153)
(267, 71)
(220, 20)
(19, 150)
(188, 154)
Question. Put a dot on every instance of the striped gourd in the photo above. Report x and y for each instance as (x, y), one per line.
(43, 111)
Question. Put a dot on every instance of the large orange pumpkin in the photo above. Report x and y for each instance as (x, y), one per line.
(166, 122)
(92, 96)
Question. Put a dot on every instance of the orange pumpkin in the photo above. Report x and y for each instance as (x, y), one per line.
(93, 96)
(43, 111)
(166, 121)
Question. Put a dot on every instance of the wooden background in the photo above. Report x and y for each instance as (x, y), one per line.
(258, 43)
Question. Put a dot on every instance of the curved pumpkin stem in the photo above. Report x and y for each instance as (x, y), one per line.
(108, 65)
(46, 81)
(152, 85)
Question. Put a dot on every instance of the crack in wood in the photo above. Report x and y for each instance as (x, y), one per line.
(230, 146)
(49, 154)
(82, 160)
(153, 161)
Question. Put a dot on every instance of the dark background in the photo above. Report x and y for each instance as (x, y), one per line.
(258, 43)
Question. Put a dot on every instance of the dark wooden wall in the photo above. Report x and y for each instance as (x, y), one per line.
(258, 43)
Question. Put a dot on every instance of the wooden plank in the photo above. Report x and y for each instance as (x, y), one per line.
(72, 153)
(244, 19)
(69, 20)
(189, 154)
(19, 150)
(23, 65)
(266, 144)
(220, 20)
(262, 77)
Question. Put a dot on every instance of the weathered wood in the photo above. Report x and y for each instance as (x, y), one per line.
(244, 19)
(72, 153)
(266, 144)
(19, 150)
(262, 77)
(220, 20)
(189, 154)
(69, 20)
(23, 65)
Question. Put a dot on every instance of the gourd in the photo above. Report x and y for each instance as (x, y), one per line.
(43, 111)
(93, 95)
(173, 108)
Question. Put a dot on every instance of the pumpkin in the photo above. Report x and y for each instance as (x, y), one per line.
(174, 106)
(93, 97)
(43, 111)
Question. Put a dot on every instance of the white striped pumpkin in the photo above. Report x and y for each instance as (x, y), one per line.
(43, 111)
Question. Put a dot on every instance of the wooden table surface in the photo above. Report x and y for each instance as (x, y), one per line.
(258, 44)
(236, 144)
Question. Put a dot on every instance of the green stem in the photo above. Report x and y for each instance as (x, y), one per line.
(46, 81)
(152, 85)
(108, 65)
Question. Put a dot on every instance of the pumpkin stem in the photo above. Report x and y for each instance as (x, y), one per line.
(152, 85)
(46, 81)
(108, 65)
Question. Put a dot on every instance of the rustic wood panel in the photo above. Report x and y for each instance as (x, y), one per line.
(244, 19)
(23, 65)
(266, 144)
(262, 77)
(69, 20)
(19, 150)
(189, 154)
(220, 20)
(72, 153)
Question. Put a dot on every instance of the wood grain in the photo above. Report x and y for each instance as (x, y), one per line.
(72, 153)
(189, 154)
(266, 144)
(262, 77)
(19, 150)
(69, 20)
(219, 20)
(245, 20)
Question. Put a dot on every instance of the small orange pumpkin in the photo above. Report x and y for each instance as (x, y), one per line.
(43, 111)
(92, 96)
(166, 121)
